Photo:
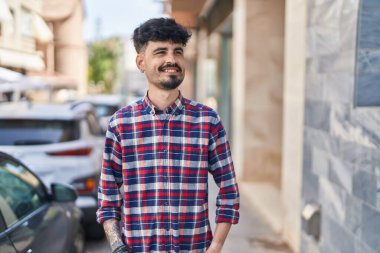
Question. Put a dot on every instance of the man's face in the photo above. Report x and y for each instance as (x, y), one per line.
(163, 63)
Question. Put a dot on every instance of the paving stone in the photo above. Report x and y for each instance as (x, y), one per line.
(252, 234)
(370, 227)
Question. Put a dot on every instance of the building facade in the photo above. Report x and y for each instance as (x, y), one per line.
(341, 143)
(22, 31)
(44, 40)
(66, 56)
(298, 91)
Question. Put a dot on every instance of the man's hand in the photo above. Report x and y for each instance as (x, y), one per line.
(215, 248)
(220, 236)
(213, 251)
(113, 233)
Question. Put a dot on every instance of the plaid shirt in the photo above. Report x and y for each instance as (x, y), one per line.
(155, 171)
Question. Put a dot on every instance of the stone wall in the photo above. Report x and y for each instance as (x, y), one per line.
(341, 169)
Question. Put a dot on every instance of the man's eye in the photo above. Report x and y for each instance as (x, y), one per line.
(160, 52)
(179, 52)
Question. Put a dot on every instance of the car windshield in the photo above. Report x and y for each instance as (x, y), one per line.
(37, 132)
(105, 110)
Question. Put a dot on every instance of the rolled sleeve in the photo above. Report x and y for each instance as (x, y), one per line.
(222, 169)
(109, 196)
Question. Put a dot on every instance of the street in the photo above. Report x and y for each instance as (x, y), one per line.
(97, 246)
(250, 235)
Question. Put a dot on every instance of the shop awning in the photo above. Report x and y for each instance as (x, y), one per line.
(12, 80)
(18, 59)
(55, 80)
(41, 30)
(5, 14)
(7, 75)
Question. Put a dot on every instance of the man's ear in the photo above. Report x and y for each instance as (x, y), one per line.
(140, 62)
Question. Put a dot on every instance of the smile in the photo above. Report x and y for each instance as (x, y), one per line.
(170, 68)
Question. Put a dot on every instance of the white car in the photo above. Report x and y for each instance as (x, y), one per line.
(105, 106)
(60, 143)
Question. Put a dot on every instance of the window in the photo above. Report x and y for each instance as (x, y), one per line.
(105, 110)
(37, 132)
(26, 23)
(367, 76)
(20, 192)
(93, 124)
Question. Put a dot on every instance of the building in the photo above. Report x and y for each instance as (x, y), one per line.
(297, 87)
(22, 31)
(66, 56)
(44, 40)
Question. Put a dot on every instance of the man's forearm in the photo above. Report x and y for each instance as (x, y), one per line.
(220, 236)
(113, 233)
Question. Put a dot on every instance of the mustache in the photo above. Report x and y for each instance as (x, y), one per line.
(170, 65)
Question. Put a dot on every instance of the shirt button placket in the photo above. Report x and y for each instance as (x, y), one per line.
(166, 183)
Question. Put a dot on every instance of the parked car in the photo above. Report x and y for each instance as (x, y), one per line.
(105, 106)
(31, 218)
(60, 143)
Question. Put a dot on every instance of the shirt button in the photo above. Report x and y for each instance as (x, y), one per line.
(165, 150)
(165, 179)
(166, 203)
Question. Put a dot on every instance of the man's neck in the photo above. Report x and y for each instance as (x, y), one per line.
(162, 98)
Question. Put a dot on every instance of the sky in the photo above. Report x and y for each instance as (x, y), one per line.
(117, 17)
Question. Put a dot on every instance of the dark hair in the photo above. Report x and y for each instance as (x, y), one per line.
(160, 29)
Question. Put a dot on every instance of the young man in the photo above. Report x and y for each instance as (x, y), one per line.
(158, 152)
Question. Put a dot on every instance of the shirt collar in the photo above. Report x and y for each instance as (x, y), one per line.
(175, 108)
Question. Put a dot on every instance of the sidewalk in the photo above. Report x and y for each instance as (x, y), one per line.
(251, 234)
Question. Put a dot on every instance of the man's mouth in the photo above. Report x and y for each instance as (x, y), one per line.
(172, 68)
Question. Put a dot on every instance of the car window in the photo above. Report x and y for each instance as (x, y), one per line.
(37, 132)
(105, 110)
(93, 124)
(20, 192)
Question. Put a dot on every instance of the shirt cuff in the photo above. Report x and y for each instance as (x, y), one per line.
(103, 215)
(227, 215)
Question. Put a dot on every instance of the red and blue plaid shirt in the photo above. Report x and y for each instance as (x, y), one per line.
(155, 174)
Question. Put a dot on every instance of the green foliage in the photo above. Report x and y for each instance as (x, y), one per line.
(103, 62)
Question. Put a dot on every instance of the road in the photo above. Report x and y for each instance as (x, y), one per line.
(97, 246)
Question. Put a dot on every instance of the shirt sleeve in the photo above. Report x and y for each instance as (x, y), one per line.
(222, 169)
(109, 196)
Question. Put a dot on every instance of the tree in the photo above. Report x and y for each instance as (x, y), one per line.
(103, 62)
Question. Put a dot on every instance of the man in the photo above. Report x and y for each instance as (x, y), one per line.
(158, 152)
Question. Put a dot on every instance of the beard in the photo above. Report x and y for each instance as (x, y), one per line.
(174, 80)
(172, 83)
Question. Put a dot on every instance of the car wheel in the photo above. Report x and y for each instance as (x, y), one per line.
(94, 231)
(79, 241)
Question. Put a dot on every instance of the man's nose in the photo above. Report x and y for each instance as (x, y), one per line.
(170, 58)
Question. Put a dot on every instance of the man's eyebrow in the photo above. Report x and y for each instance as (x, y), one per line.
(166, 49)
(160, 49)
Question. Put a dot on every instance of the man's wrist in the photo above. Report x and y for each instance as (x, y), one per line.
(216, 246)
(116, 245)
(123, 249)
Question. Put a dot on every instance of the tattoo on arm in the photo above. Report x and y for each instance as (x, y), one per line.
(113, 233)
